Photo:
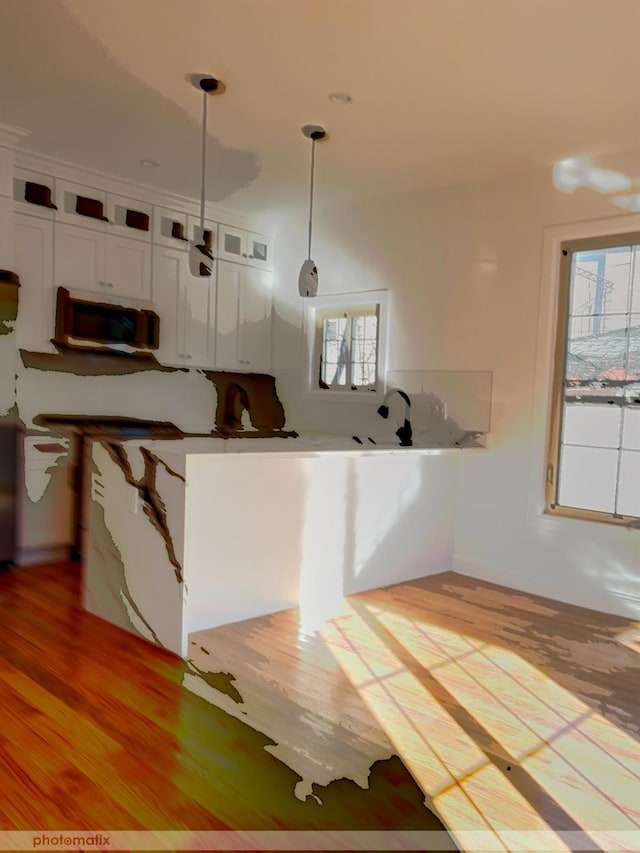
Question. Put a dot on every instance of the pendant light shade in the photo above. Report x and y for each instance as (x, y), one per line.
(201, 249)
(308, 277)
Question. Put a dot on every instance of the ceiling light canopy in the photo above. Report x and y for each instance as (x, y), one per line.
(340, 98)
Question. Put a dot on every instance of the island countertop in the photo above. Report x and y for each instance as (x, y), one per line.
(304, 445)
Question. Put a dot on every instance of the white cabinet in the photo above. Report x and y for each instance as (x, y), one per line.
(243, 330)
(87, 259)
(44, 193)
(186, 306)
(33, 262)
(46, 512)
(69, 198)
(193, 223)
(244, 247)
(129, 218)
(79, 258)
(127, 269)
(170, 228)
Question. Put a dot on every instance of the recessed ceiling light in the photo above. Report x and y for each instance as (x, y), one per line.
(151, 164)
(340, 98)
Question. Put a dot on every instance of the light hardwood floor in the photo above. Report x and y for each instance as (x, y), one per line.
(515, 714)
(97, 732)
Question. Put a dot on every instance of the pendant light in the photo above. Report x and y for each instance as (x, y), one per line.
(308, 278)
(200, 250)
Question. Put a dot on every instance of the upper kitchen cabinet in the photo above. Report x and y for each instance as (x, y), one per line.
(243, 318)
(80, 205)
(33, 262)
(129, 218)
(79, 258)
(193, 223)
(170, 228)
(186, 306)
(128, 268)
(106, 264)
(33, 193)
(245, 247)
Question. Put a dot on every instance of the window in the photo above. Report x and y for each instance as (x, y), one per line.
(348, 346)
(346, 343)
(594, 450)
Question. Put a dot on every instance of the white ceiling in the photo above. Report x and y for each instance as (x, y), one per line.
(444, 91)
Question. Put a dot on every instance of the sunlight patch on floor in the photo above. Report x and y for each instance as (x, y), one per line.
(461, 784)
(582, 763)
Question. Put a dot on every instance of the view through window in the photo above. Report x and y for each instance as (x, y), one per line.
(349, 348)
(594, 458)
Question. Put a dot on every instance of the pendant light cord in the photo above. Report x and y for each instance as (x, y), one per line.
(313, 164)
(204, 157)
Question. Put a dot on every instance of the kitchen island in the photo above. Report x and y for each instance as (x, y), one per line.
(189, 534)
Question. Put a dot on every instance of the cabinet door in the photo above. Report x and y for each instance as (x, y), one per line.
(230, 281)
(118, 209)
(232, 245)
(79, 258)
(33, 262)
(193, 225)
(47, 495)
(20, 204)
(170, 267)
(128, 268)
(66, 198)
(259, 251)
(199, 319)
(255, 320)
(170, 228)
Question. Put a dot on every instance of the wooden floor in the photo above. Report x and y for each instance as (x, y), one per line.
(97, 732)
(515, 714)
(506, 712)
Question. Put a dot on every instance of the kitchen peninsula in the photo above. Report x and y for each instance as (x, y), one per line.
(190, 534)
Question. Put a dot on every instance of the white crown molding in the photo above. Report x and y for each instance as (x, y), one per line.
(11, 136)
(67, 171)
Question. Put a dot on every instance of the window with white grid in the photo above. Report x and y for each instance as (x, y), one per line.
(346, 343)
(594, 458)
(348, 348)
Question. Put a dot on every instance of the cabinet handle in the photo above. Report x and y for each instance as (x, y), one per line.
(101, 283)
(244, 254)
(188, 356)
(109, 284)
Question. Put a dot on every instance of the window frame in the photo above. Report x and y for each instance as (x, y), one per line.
(566, 249)
(344, 303)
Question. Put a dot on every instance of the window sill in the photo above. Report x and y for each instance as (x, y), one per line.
(574, 514)
(331, 396)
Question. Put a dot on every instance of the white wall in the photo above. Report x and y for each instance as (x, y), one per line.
(500, 303)
(371, 247)
(266, 533)
(463, 268)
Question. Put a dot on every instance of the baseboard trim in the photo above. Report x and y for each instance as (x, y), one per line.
(46, 554)
(615, 602)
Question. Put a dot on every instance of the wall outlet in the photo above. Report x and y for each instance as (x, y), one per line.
(136, 503)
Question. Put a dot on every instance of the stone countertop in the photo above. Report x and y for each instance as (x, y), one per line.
(304, 445)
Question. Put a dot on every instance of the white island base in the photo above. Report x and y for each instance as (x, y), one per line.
(192, 534)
